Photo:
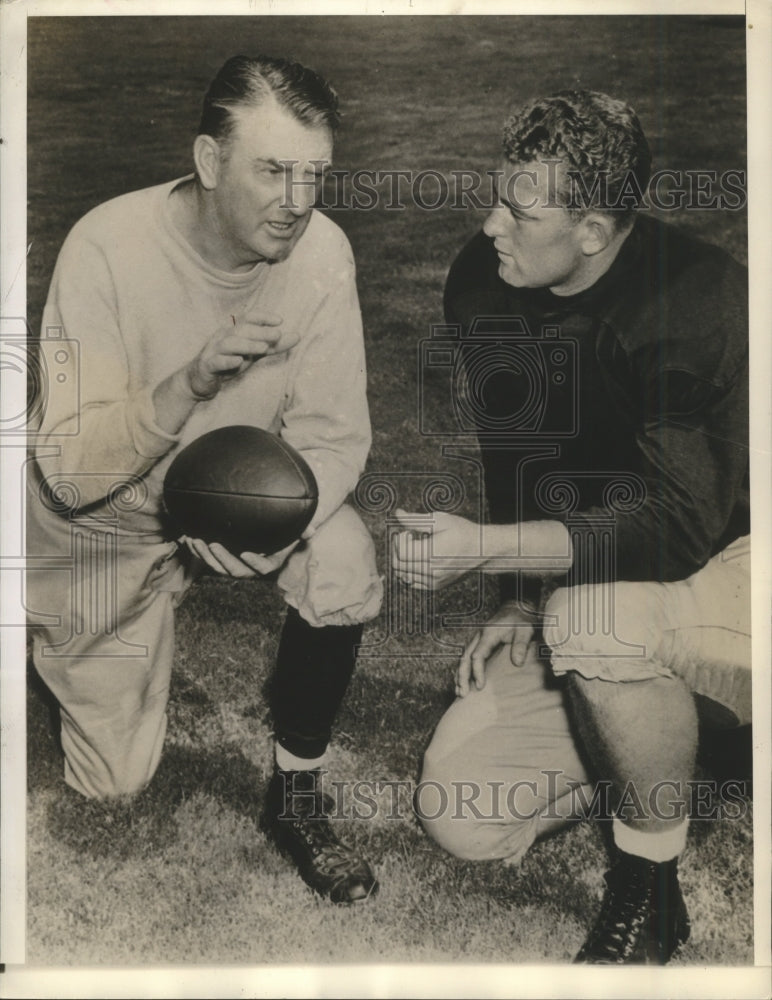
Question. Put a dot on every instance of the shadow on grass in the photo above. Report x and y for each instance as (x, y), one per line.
(44, 749)
(438, 885)
(135, 825)
(146, 823)
(389, 721)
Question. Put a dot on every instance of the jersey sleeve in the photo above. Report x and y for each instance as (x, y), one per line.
(690, 393)
(326, 415)
(95, 430)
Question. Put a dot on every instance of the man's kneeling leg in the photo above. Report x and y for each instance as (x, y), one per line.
(638, 724)
(502, 768)
(112, 687)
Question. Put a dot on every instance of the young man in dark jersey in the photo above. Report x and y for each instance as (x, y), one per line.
(605, 356)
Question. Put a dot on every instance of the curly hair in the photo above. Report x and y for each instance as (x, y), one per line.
(245, 81)
(598, 139)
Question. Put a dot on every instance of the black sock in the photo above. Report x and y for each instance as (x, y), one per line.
(313, 670)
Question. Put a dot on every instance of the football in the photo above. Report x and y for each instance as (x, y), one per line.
(242, 487)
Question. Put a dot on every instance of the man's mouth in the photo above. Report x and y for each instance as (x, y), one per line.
(281, 228)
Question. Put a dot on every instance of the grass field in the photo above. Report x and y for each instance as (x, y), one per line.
(182, 873)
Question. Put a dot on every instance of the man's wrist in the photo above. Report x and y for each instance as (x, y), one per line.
(174, 400)
(196, 388)
(539, 547)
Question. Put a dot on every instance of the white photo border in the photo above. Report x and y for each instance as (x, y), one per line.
(383, 980)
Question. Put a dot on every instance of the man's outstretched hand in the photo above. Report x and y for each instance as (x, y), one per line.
(439, 549)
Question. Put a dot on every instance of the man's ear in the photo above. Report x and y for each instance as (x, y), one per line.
(206, 157)
(598, 231)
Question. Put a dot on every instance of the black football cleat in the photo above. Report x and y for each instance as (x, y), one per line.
(296, 817)
(643, 917)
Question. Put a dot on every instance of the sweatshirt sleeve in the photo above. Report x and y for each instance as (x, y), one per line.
(94, 425)
(326, 415)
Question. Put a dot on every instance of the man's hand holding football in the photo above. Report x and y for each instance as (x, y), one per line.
(245, 566)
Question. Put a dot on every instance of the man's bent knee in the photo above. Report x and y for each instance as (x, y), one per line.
(611, 631)
(472, 818)
(104, 764)
(332, 578)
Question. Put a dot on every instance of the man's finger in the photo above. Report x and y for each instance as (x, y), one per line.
(411, 578)
(259, 318)
(418, 581)
(260, 564)
(275, 339)
(402, 547)
(411, 560)
(520, 644)
(409, 569)
(201, 549)
(233, 566)
(478, 669)
(229, 365)
(413, 550)
(490, 639)
(244, 346)
(285, 342)
(464, 668)
(187, 541)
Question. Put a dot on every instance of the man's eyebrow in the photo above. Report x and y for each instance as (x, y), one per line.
(513, 207)
(320, 166)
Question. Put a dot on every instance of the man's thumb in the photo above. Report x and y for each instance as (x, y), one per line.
(519, 649)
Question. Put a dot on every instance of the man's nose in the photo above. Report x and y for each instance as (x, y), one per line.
(299, 196)
(493, 224)
(304, 197)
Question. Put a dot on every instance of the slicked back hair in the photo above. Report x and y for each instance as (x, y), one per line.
(595, 136)
(247, 82)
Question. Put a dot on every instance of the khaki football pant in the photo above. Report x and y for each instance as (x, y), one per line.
(503, 761)
(104, 637)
